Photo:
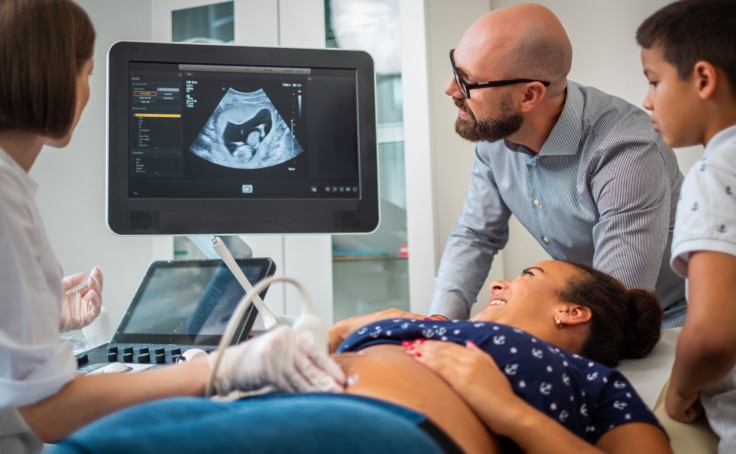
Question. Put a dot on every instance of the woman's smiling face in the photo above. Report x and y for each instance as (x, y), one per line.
(530, 298)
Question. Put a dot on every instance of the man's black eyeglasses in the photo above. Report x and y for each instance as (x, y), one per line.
(465, 87)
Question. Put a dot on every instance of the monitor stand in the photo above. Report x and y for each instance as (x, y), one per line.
(238, 248)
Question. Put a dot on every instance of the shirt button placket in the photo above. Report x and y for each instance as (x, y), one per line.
(536, 203)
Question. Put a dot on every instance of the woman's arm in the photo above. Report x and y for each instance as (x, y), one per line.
(89, 397)
(281, 358)
(706, 345)
(476, 377)
(344, 328)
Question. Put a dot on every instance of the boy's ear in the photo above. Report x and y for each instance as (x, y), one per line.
(706, 78)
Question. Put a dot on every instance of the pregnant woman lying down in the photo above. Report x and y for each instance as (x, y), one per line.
(525, 374)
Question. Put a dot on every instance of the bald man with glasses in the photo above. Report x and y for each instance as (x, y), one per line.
(582, 170)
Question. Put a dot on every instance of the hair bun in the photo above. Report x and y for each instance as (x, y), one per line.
(645, 314)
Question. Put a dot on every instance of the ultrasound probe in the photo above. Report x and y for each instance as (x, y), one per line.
(308, 322)
(269, 319)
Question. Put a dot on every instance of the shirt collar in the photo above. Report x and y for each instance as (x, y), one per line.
(724, 139)
(568, 132)
(7, 160)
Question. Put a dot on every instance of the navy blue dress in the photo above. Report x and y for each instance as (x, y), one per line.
(584, 396)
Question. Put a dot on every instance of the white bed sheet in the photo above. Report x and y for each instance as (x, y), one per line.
(649, 374)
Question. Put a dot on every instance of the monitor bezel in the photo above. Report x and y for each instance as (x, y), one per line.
(170, 216)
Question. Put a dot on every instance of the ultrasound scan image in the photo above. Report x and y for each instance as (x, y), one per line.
(246, 132)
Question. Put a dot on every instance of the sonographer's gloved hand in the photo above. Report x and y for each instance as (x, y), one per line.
(282, 358)
(81, 306)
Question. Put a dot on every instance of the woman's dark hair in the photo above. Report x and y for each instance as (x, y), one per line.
(44, 44)
(693, 30)
(625, 323)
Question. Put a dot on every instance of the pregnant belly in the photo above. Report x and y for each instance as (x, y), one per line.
(387, 373)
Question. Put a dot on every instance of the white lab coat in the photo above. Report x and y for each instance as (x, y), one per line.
(34, 362)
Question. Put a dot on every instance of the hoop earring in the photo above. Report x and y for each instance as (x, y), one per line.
(558, 323)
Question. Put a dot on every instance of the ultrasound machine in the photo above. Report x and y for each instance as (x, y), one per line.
(225, 140)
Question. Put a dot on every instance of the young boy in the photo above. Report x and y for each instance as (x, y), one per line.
(689, 57)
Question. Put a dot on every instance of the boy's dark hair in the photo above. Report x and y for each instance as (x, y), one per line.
(694, 30)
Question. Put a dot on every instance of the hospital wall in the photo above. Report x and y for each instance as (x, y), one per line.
(71, 195)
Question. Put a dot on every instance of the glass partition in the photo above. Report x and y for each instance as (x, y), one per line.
(370, 272)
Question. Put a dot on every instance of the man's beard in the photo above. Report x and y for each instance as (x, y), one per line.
(489, 129)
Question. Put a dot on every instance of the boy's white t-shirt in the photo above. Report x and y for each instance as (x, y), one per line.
(706, 221)
(706, 211)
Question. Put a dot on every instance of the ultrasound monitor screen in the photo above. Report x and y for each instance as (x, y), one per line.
(226, 139)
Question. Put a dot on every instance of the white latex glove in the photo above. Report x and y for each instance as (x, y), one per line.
(282, 358)
(80, 306)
